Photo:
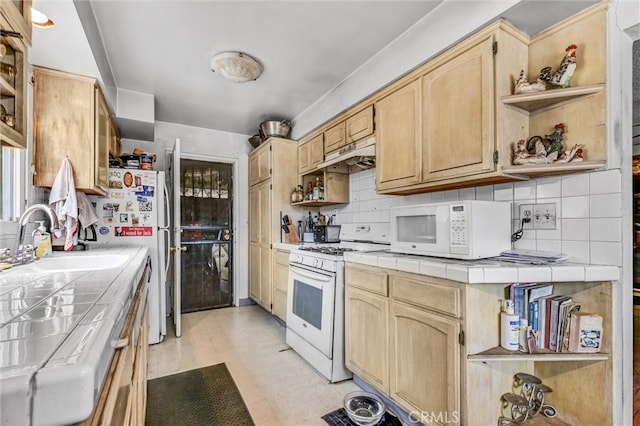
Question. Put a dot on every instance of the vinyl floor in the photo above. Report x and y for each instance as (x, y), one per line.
(278, 386)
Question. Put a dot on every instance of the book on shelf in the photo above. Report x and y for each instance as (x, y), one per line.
(585, 332)
(563, 341)
(543, 321)
(554, 318)
(520, 297)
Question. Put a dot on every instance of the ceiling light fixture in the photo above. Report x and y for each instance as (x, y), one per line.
(40, 20)
(235, 66)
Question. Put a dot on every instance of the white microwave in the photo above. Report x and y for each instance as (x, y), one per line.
(470, 229)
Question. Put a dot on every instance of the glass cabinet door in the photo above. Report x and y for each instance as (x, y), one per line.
(12, 88)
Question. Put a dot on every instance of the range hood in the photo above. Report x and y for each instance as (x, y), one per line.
(358, 155)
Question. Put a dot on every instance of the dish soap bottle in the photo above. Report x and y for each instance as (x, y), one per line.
(509, 327)
(42, 240)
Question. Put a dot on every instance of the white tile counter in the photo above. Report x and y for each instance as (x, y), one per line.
(485, 271)
(57, 329)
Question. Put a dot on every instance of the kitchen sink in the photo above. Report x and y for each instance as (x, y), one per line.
(80, 262)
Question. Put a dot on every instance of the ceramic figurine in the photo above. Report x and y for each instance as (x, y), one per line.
(573, 155)
(555, 139)
(562, 76)
(523, 86)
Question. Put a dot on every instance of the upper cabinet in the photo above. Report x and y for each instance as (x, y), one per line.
(71, 118)
(16, 16)
(399, 138)
(355, 127)
(260, 164)
(310, 154)
(13, 73)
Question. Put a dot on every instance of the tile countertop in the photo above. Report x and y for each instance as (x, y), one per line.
(486, 270)
(56, 334)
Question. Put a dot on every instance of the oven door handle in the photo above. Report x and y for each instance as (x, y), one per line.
(317, 277)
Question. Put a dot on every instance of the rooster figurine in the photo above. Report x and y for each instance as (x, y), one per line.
(562, 76)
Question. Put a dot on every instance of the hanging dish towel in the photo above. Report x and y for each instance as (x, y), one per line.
(86, 213)
(63, 201)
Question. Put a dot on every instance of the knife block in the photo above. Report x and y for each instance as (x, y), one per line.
(292, 236)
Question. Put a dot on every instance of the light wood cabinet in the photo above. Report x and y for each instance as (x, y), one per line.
(280, 282)
(71, 118)
(260, 164)
(443, 353)
(17, 15)
(273, 176)
(310, 154)
(367, 336)
(123, 397)
(353, 128)
(457, 115)
(13, 83)
(359, 125)
(260, 243)
(335, 137)
(399, 146)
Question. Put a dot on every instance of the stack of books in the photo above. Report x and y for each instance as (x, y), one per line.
(550, 318)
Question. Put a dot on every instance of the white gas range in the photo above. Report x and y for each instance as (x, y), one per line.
(315, 297)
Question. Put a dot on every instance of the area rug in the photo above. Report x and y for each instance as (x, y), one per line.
(205, 396)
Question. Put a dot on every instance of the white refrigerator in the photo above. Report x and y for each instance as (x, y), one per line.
(135, 212)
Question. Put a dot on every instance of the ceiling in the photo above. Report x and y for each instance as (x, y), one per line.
(305, 48)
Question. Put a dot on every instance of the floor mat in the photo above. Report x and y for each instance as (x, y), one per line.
(205, 396)
(339, 417)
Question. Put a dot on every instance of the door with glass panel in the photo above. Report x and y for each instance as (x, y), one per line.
(206, 221)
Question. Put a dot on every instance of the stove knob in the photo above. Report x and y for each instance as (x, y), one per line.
(315, 263)
(298, 258)
(320, 264)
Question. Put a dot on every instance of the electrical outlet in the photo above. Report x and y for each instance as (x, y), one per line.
(526, 212)
(544, 216)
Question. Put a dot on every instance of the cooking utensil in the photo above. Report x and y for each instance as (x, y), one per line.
(255, 140)
(275, 128)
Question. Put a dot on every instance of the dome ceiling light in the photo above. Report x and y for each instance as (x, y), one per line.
(40, 20)
(235, 66)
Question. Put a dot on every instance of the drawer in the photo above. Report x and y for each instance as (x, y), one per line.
(428, 294)
(282, 257)
(370, 279)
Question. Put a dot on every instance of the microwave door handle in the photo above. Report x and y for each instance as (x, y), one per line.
(319, 277)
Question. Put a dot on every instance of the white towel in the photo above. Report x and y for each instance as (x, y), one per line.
(64, 202)
(86, 213)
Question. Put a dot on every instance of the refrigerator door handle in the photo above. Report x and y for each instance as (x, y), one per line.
(166, 207)
(167, 248)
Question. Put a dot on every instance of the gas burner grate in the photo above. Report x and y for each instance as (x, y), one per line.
(334, 251)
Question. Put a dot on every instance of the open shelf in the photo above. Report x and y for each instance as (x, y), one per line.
(12, 135)
(534, 170)
(534, 101)
(6, 88)
(500, 354)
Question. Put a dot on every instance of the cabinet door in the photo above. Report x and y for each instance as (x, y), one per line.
(399, 142)
(360, 125)
(254, 213)
(304, 157)
(280, 282)
(334, 138)
(367, 336)
(316, 151)
(254, 271)
(265, 277)
(102, 140)
(425, 361)
(13, 89)
(457, 116)
(17, 13)
(260, 164)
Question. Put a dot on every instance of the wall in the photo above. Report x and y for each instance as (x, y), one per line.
(587, 205)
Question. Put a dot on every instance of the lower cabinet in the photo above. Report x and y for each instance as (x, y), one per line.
(433, 347)
(123, 398)
(280, 282)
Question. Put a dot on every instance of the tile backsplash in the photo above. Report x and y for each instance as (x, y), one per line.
(588, 208)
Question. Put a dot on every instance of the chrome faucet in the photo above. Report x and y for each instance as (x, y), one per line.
(22, 223)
